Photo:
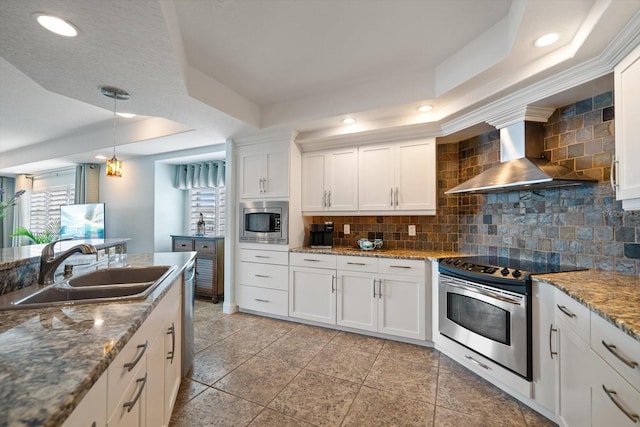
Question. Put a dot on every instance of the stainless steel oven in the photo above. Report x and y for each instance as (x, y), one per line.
(264, 222)
(488, 310)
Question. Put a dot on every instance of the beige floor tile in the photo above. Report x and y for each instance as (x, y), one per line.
(316, 398)
(270, 418)
(414, 380)
(342, 362)
(215, 408)
(314, 334)
(358, 342)
(188, 390)
(258, 379)
(534, 419)
(410, 352)
(449, 418)
(252, 339)
(465, 392)
(378, 408)
(294, 350)
(215, 362)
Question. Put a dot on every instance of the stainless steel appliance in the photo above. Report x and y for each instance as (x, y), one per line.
(188, 333)
(485, 305)
(321, 235)
(264, 222)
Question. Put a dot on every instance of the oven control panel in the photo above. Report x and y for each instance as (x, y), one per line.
(472, 268)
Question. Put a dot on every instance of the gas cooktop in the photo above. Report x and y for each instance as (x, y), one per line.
(487, 268)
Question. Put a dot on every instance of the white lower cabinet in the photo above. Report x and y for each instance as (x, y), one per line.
(312, 287)
(263, 277)
(614, 401)
(92, 411)
(544, 347)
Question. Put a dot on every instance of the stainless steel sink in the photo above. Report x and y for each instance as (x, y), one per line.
(108, 285)
(116, 276)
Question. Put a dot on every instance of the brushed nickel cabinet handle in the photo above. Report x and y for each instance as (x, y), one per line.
(262, 276)
(380, 288)
(551, 331)
(261, 300)
(129, 405)
(333, 288)
(613, 396)
(311, 260)
(614, 350)
(396, 204)
(261, 256)
(400, 266)
(374, 288)
(613, 175)
(135, 361)
(172, 332)
(324, 199)
(329, 199)
(391, 196)
(565, 310)
(355, 263)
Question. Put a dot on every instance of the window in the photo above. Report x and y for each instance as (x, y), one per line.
(45, 205)
(209, 202)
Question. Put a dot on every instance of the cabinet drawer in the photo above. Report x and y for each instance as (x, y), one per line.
(617, 348)
(614, 401)
(358, 263)
(313, 260)
(265, 257)
(264, 275)
(265, 300)
(573, 314)
(403, 267)
(182, 245)
(204, 247)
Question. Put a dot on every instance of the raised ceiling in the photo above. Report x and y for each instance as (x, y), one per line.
(201, 72)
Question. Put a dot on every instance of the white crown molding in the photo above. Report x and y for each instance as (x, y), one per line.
(523, 113)
(265, 137)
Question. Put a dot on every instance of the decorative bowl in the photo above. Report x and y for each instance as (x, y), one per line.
(368, 245)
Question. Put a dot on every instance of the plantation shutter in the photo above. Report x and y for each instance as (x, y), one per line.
(210, 203)
(45, 206)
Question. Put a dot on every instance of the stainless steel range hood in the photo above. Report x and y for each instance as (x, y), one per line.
(522, 166)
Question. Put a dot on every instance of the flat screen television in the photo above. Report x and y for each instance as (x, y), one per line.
(84, 221)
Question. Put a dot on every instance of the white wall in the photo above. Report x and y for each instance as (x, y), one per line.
(169, 207)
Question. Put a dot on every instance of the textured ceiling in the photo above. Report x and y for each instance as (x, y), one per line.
(200, 72)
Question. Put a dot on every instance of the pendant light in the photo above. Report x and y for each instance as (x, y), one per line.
(114, 166)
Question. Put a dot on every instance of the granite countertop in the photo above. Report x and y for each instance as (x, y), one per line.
(614, 296)
(11, 257)
(51, 357)
(381, 253)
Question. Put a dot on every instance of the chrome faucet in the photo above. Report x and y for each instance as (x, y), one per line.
(49, 262)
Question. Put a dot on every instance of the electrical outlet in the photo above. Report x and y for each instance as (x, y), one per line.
(412, 230)
(347, 229)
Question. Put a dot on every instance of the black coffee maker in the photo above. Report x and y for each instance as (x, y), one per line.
(321, 235)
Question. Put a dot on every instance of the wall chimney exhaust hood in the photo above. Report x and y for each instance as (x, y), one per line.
(522, 166)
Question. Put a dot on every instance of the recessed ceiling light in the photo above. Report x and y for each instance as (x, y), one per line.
(101, 157)
(348, 121)
(546, 40)
(425, 108)
(126, 115)
(57, 25)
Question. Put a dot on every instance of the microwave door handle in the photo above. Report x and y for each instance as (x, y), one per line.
(486, 293)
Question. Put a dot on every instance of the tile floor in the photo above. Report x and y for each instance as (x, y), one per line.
(257, 371)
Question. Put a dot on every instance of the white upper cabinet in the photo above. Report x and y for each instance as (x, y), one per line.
(263, 171)
(627, 110)
(330, 180)
(398, 177)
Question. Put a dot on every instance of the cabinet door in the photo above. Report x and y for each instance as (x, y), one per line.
(314, 196)
(341, 180)
(627, 106)
(401, 307)
(375, 178)
(155, 381)
(92, 408)
(251, 174)
(312, 294)
(574, 380)
(615, 402)
(415, 175)
(130, 410)
(357, 300)
(544, 346)
(276, 173)
(172, 362)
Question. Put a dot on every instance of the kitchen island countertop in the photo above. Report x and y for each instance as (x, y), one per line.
(613, 296)
(51, 357)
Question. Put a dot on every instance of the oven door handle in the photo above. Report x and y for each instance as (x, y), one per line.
(486, 293)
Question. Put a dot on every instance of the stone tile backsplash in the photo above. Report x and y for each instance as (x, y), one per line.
(583, 226)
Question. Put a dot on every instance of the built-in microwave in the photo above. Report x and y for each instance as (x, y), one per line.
(264, 222)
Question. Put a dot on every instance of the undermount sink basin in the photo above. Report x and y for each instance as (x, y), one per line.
(108, 285)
